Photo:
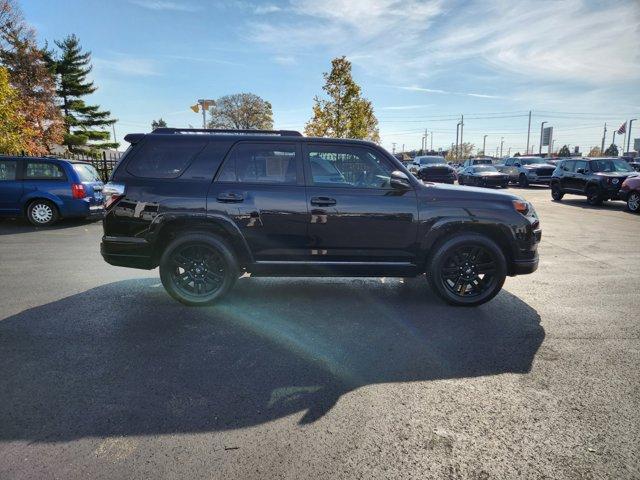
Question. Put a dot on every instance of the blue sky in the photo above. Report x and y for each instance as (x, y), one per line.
(575, 63)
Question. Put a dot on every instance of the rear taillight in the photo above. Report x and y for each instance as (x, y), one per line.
(78, 191)
(112, 193)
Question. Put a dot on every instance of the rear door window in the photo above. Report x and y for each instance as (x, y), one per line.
(86, 173)
(568, 165)
(165, 157)
(270, 163)
(8, 169)
(44, 171)
(581, 164)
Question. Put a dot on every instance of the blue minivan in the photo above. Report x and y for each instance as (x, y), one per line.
(47, 189)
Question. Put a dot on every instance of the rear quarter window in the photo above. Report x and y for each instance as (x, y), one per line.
(44, 171)
(164, 157)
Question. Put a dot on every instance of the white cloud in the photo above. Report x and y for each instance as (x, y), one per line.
(166, 5)
(127, 65)
(406, 107)
(262, 9)
(285, 60)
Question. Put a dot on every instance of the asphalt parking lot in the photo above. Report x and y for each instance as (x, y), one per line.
(104, 376)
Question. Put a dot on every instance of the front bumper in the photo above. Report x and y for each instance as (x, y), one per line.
(537, 179)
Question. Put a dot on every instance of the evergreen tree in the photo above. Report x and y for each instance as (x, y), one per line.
(564, 151)
(612, 151)
(160, 123)
(86, 125)
(345, 114)
(33, 81)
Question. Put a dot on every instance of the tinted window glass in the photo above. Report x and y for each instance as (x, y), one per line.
(581, 164)
(508, 162)
(486, 168)
(343, 166)
(164, 158)
(8, 169)
(86, 173)
(260, 163)
(568, 165)
(531, 161)
(610, 166)
(44, 171)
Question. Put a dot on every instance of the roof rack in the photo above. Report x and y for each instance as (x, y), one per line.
(282, 133)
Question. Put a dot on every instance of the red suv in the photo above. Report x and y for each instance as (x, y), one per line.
(630, 191)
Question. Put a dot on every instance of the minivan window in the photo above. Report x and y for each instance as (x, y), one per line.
(345, 166)
(8, 169)
(164, 157)
(44, 171)
(86, 173)
(261, 163)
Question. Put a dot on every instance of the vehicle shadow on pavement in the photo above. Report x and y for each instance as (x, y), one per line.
(12, 226)
(125, 359)
(582, 203)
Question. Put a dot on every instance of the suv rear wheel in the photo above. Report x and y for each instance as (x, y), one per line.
(633, 202)
(468, 269)
(556, 193)
(198, 268)
(42, 213)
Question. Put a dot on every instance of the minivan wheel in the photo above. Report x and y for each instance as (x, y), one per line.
(198, 268)
(468, 269)
(556, 193)
(42, 213)
(633, 202)
(593, 196)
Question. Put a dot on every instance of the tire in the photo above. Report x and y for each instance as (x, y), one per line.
(198, 268)
(556, 192)
(460, 181)
(593, 195)
(523, 181)
(633, 202)
(455, 267)
(42, 213)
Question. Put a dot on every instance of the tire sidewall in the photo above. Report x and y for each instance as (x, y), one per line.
(556, 193)
(637, 195)
(212, 241)
(439, 256)
(523, 181)
(54, 217)
(596, 199)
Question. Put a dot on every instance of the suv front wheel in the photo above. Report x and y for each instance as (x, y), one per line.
(198, 268)
(468, 269)
(556, 192)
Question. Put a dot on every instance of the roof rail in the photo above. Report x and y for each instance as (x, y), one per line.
(282, 133)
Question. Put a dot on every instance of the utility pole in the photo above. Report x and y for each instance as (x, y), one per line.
(528, 132)
(457, 132)
(461, 130)
(484, 145)
(613, 142)
(113, 126)
(426, 141)
(629, 141)
(403, 148)
(509, 152)
(432, 140)
(604, 136)
(393, 147)
(501, 145)
(541, 132)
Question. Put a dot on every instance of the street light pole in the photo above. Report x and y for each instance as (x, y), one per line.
(461, 130)
(457, 132)
(629, 141)
(432, 140)
(604, 135)
(541, 131)
(484, 145)
(501, 145)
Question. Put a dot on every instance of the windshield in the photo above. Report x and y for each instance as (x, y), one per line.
(610, 166)
(430, 160)
(482, 161)
(486, 168)
(86, 172)
(531, 161)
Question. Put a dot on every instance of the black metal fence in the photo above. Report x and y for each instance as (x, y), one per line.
(104, 162)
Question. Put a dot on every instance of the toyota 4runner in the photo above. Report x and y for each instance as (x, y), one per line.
(207, 206)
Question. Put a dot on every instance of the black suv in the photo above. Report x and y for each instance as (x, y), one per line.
(432, 168)
(209, 205)
(599, 179)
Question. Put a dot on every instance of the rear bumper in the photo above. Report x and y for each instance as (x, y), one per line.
(524, 266)
(127, 252)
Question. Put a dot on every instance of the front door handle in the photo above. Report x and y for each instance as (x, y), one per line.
(230, 197)
(323, 201)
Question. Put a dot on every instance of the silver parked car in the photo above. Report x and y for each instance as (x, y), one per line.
(527, 170)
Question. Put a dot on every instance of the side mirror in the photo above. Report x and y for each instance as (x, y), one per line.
(581, 170)
(517, 164)
(399, 180)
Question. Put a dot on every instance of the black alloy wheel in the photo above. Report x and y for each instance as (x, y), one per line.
(198, 268)
(593, 195)
(523, 181)
(467, 270)
(556, 192)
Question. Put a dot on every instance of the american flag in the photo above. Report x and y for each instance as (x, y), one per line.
(622, 129)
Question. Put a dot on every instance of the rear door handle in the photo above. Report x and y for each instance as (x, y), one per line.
(230, 197)
(323, 201)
